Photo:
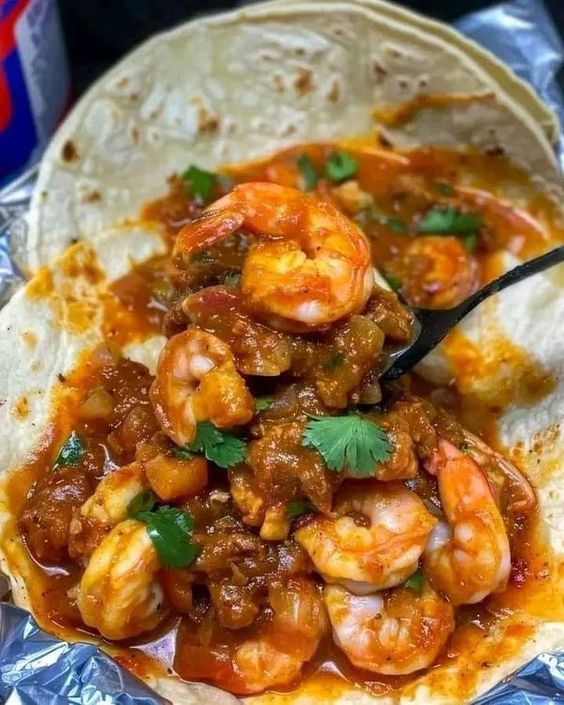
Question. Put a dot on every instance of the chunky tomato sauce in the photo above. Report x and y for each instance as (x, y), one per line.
(436, 222)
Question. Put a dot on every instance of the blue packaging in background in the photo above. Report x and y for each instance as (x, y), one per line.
(34, 80)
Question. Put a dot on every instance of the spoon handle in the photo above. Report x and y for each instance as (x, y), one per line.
(433, 325)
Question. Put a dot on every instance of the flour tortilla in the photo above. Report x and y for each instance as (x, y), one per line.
(239, 86)
(242, 84)
(50, 324)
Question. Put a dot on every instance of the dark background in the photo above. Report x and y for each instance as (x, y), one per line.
(98, 32)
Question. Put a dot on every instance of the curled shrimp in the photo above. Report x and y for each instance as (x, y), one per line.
(439, 272)
(395, 632)
(519, 496)
(374, 542)
(468, 556)
(310, 265)
(104, 509)
(274, 653)
(119, 593)
(197, 380)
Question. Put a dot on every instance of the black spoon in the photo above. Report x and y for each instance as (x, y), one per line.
(431, 326)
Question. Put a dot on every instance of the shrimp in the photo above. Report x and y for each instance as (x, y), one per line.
(197, 380)
(519, 496)
(119, 593)
(393, 633)
(310, 265)
(468, 557)
(439, 272)
(104, 509)
(270, 653)
(365, 558)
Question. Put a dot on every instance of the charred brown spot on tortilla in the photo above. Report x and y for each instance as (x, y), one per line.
(334, 92)
(69, 151)
(207, 122)
(93, 196)
(388, 195)
(303, 82)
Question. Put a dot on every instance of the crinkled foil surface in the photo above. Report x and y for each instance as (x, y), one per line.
(35, 668)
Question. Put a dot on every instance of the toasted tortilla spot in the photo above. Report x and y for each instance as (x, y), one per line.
(41, 285)
(29, 338)
(207, 121)
(69, 151)
(334, 92)
(20, 409)
(398, 116)
(92, 196)
(303, 83)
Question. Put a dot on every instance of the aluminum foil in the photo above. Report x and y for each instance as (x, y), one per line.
(36, 668)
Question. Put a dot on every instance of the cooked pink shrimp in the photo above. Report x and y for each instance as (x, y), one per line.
(120, 594)
(311, 264)
(468, 556)
(375, 540)
(270, 653)
(519, 497)
(197, 381)
(395, 632)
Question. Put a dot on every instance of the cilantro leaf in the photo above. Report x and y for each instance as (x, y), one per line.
(308, 172)
(350, 443)
(391, 222)
(262, 403)
(394, 282)
(415, 582)
(340, 166)
(144, 501)
(443, 188)
(396, 225)
(202, 257)
(200, 182)
(449, 220)
(222, 448)
(298, 508)
(333, 362)
(232, 279)
(183, 453)
(170, 530)
(470, 242)
(71, 451)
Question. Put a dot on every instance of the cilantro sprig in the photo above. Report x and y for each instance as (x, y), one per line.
(394, 281)
(333, 362)
(71, 451)
(310, 176)
(200, 182)
(391, 222)
(169, 528)
(299, 508)
(340, 166)
(220, 447)
(415, 582)
(262, 403)
(441, 221)
(351, 443)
